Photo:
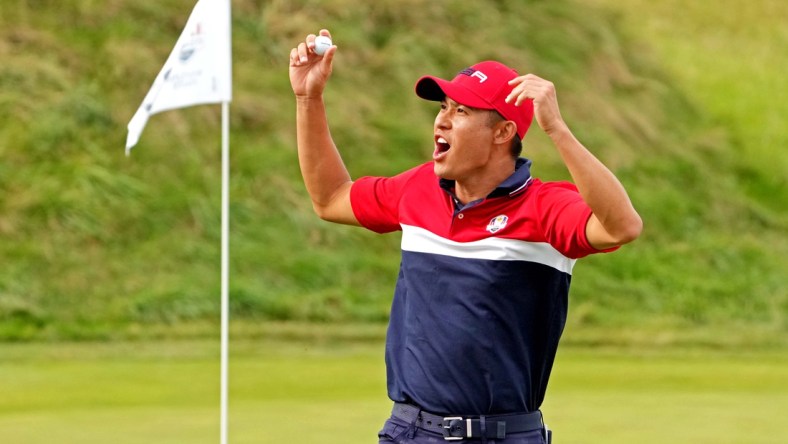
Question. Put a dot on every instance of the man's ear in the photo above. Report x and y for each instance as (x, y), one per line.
(504, 132)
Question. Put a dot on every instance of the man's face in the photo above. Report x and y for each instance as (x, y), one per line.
(463, 141)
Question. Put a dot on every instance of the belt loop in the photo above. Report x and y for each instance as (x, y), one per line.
(483, 428)
(416, 422)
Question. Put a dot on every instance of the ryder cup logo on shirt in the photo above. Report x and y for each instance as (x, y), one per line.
(497, 223)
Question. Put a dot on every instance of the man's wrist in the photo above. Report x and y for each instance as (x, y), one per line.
(559, 131)
(307, 99)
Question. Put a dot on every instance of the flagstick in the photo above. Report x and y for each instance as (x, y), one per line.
(210, 25)
(225, 264)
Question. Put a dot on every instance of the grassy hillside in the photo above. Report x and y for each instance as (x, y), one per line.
(93, 244)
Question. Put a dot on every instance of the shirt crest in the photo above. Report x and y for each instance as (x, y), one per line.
(497, 223)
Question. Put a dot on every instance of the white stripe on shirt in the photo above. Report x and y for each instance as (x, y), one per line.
(419, 240)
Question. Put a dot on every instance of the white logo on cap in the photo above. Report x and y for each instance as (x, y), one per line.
(482, 77)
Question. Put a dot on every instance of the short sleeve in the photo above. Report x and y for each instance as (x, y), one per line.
(563, 216)
(375, 200)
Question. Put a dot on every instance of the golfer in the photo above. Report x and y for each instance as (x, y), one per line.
(487, 249)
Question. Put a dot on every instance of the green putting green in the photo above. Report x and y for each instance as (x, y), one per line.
(297, 392)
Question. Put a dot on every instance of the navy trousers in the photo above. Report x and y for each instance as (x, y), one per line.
(400, 432)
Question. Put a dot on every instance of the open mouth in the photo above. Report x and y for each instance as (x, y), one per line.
(441, 147)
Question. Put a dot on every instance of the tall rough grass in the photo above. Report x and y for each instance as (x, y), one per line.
(93, 243)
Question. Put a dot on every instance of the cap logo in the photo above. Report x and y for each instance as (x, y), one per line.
(497, 223)
(474, 73)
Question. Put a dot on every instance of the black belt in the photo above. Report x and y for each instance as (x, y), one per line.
(462, 427)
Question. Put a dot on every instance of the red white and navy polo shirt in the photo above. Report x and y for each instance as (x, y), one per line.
(481, 298)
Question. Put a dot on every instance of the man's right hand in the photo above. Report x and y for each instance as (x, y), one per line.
(309, 72)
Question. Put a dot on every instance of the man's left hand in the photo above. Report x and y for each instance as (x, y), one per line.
(542, 92)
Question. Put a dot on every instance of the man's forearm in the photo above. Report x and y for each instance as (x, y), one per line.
(599, 187)
(321, 164)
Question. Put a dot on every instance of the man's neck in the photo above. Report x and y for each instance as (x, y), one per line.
(480, 186)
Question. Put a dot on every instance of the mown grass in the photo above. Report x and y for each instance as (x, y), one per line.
(94, 244)
(331, 389)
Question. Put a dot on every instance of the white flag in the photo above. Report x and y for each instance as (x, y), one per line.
(198, 70)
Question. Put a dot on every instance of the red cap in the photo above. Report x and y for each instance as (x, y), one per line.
(484, 85)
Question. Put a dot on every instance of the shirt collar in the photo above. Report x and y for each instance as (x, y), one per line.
(512, 185)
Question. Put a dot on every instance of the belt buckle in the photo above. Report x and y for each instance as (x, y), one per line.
(454, 424)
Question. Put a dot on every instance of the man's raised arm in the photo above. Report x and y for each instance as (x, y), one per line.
(614, 220)
(325, 176)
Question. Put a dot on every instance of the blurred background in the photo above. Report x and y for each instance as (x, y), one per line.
(109, 266)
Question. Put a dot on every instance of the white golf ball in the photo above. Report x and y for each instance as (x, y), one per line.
(322, 43)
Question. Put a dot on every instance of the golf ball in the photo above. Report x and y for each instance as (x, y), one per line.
(322, 43)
